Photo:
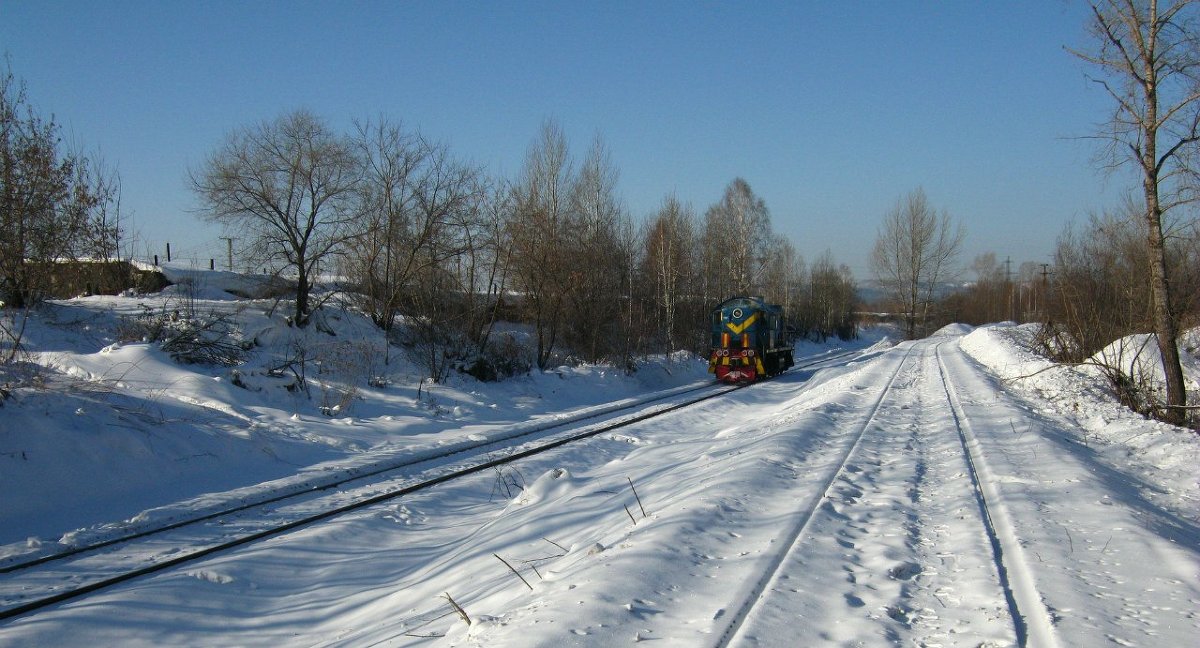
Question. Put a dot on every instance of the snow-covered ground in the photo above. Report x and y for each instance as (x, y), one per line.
(825, 507)
(115, 429)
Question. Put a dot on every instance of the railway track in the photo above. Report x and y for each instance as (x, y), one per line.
(37, 583)
(807, 513)
(1029, 613)
(850, 518)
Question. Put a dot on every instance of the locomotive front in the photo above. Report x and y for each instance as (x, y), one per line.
(748, 341)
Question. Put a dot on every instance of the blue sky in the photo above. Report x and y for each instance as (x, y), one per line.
(832, 111)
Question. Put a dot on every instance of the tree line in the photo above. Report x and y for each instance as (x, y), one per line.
(437, 253)
(432, 249)
(412, 228)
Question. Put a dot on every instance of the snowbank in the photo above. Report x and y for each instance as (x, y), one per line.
(115, 433)
(1163, 456)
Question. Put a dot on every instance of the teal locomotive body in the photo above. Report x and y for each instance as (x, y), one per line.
(749, 340)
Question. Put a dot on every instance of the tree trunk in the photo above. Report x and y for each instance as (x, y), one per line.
(302, 288)
(1164, 319)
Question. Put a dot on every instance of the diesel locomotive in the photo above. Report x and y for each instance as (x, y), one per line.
(749, 340)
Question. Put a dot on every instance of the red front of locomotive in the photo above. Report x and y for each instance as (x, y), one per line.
(736, 365)
(737, 350)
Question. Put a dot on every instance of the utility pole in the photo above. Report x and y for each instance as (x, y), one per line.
(229, 246)
(1045, 296)
(1008, 282)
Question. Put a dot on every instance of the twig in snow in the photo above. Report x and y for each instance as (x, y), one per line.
(510, 568)
(541, 559)
(635, 495)
(1014, 429)
(629, 514)
(564, 549)
(458, 608)
(506, 482)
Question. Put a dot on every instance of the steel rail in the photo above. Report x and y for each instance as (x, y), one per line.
(335, 483)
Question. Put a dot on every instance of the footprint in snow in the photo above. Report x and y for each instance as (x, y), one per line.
(905, 571)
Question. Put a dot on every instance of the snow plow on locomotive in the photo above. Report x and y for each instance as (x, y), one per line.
(749, 340)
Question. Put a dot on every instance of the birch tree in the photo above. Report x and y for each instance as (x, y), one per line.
(667, 262)
(737, 237)
(832, 296)
(537, 231)
(598, 259)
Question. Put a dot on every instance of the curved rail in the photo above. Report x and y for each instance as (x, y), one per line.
(292, 493)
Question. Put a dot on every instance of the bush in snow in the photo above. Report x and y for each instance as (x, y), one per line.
(499, 359)
(213, 338)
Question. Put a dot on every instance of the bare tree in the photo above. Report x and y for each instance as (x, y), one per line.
(537, 230)
(784, 277)
(832, 300)
(482, 272)
(287, 185)
(104, 223)
(667, 263)
(1099, 295)
(1099, 290)
(598, 254)
(382, 257)
(737, 234)
(988, 298)
(1150, 58)
(913, 253)
(445, 311)
(415, 206)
